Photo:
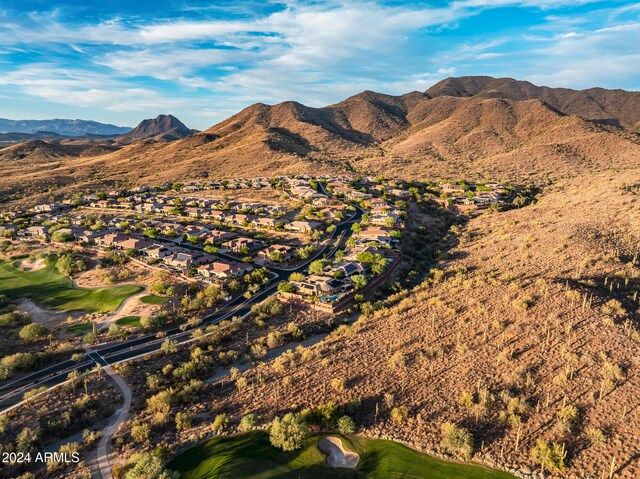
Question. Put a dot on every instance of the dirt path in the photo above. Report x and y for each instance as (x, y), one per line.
(129, 307)
(337, 455)
(104, 462)
(126, 308)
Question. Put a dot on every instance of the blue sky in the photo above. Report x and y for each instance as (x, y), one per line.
(121, 61)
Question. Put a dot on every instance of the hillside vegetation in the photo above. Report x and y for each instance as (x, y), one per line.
(527, 331)
(490, 128)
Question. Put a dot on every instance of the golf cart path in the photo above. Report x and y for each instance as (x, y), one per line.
(104, 463)
(125, 309)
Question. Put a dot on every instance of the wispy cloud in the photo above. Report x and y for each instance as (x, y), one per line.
(85, 89)
(223, 56)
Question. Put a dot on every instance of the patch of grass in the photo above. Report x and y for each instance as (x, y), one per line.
(250, 456)
(52, 289)
(131, 321)
(152, 299)
(79, 329)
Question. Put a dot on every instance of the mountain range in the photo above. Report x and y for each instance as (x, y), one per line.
(62, 127)
(469, 126)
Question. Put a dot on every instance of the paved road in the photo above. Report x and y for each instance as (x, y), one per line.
(11, 393)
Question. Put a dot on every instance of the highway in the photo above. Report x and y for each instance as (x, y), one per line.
(12, 392)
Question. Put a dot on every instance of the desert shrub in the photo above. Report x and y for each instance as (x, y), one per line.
(160, 405)
(140, 433)
(337, 384)
(153, 322)
(184, 421)
(258, 350)
(523, 303)
(400, 414)
(287, 433)
(515, 409)
(33, 332)
(13, 318)
(595, 436)
(241, 383)
(342, 330)
(220, 422)
(248, 422)
(613, 308)
(457, 440)
(466, 399)
(295, 331)
(567, 418)
(398, 360)
(275, 339)
(62, 236)
(21, 361)
(148, 466)
(268, 309)
(550, 455)
(346, 425)
(611, 374)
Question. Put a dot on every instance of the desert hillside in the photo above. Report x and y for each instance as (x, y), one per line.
(526, 330)
(470, 126)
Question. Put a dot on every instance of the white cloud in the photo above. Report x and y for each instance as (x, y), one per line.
(601, 57)
(84, 89)
(313, 52)
(169, 63)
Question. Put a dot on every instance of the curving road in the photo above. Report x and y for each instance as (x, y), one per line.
(104, 462)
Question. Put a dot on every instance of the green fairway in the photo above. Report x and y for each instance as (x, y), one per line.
(131, 321)
(50, 288)
(151, 299)
(80, 328)
(250, 456)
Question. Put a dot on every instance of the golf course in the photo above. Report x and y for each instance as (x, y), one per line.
(50, 288)
(152, 299)
(251, 456)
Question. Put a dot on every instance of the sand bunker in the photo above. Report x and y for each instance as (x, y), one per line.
(31, 265)
(337, 456)
(47, 317)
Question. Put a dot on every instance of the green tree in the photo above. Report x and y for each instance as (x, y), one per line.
(296, 277)
(148, 466)
(287, 287)
(346, 425)
(69, 264)
(33, 332)
(457, 440)
(359, 281)
(248, 422)
(317, 266)
(288, 433)
(62, 236)
(275, 256)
